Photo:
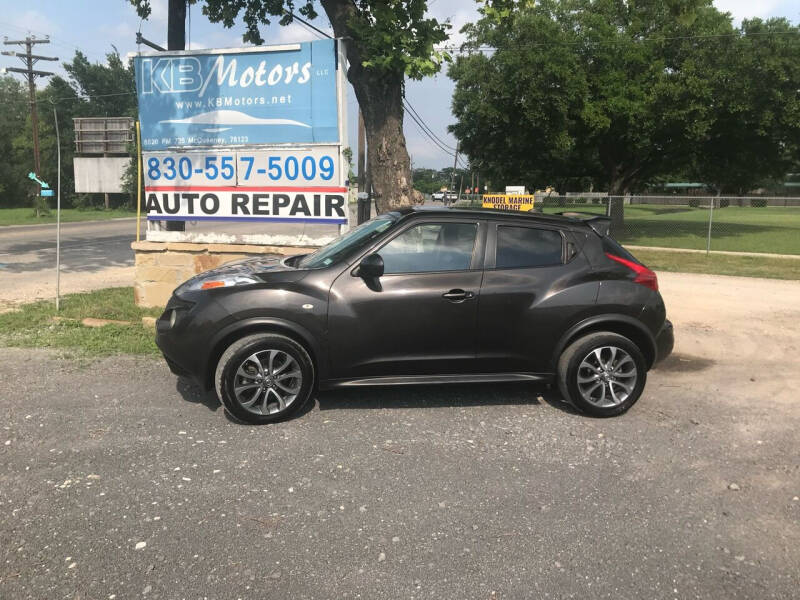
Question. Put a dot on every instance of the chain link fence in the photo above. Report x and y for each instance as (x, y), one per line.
(711, 223)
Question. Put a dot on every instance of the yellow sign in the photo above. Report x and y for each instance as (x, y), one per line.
(517, 202)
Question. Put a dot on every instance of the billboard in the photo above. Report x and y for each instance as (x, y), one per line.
(244, 133)
(267, 95)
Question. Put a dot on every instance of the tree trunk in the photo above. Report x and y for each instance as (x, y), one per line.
(388, 162)
(380, 96)
(616, 204)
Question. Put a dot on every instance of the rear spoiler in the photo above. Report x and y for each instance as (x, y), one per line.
(599, 224)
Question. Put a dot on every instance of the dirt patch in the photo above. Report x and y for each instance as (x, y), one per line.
(684, 363)
(41, 286)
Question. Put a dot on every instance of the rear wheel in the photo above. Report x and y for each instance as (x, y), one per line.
(603, 374)
(264, 377)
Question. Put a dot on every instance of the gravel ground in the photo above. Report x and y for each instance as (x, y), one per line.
(119, 481)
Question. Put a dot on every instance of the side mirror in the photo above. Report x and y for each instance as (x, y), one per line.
(371, 267)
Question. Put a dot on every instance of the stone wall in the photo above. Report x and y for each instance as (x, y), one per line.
(161, 267)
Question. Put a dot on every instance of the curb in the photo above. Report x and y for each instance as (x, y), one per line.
(720, 252)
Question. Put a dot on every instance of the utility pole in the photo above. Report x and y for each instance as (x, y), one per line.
(30, 59)
(176, 40)
(453, 174)
(176, 25)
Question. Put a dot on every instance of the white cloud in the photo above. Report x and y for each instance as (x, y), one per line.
(35, 22)
(159, 11)
(745, 9)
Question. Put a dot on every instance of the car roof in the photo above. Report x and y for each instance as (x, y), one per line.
(495, 214)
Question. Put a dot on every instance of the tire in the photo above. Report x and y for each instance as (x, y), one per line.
(273, 370)
(606, 390)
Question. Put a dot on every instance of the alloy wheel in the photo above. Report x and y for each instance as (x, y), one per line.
(267, 382)
(607, 376)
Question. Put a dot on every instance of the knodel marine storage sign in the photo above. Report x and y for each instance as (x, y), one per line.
(240, 134)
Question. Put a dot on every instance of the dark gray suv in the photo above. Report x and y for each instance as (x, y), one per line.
(425, 296)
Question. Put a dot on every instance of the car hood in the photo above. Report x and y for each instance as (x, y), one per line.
(267, 269)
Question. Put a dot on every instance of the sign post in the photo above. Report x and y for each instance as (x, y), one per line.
(244, 134)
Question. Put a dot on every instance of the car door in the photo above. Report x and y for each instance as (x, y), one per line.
(529, 291)
(418, 318)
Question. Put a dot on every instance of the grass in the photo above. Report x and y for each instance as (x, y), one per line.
(720, 264)
(734, 228)
(26, 216)
(34, 325)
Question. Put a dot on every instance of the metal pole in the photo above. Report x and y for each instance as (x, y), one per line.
(138, 181)
(710, 219)
(58, 216)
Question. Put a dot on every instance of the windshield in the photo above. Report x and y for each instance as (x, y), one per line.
(351, 241)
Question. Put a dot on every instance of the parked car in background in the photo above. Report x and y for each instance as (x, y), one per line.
(425, 296)
(444, 196)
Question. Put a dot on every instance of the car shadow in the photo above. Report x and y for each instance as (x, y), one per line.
(421, 396)
(191, 392)
(443, 396)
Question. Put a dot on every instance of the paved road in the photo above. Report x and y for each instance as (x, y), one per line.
(98, 254)
(119, 481)
(85, 246)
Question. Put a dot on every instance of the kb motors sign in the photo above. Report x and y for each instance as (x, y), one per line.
(242, 134)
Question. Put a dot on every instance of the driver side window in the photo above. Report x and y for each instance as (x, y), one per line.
(430, 247)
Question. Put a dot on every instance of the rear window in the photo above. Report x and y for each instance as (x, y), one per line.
(611, 246)
(527, 247)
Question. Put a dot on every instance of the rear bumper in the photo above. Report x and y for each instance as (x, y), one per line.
(665, 341)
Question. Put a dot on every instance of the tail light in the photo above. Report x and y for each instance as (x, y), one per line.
(643, 275)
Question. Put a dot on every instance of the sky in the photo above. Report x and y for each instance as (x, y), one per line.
(93, 26)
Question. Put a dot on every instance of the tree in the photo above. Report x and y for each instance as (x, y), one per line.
(14, 165)
(754, 137)
(387, 41)
(618, 92)
(92, 90)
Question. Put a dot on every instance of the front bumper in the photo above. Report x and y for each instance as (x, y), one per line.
(183, 334)
(665, 341)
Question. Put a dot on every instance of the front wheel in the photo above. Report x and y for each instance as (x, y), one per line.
(264, 377)
(603, 374)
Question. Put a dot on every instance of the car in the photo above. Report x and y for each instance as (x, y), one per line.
(444, 196)
(425, 296)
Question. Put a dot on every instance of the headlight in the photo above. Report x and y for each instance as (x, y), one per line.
(217, 281)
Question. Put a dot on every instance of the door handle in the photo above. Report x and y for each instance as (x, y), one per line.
(458, 295)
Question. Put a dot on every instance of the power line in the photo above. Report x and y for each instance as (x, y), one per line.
(411, 108)
(423, 128)
(435, 142)
(308, 25)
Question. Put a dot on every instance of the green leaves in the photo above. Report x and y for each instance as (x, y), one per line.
(620, 93)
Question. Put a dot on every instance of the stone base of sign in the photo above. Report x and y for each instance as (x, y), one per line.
(161, 267)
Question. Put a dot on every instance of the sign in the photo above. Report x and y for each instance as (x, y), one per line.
(283, 205)
(515, 202)
(244, 134)
(516, 189)
(283, 166)
(241, 96)
(280, 184)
